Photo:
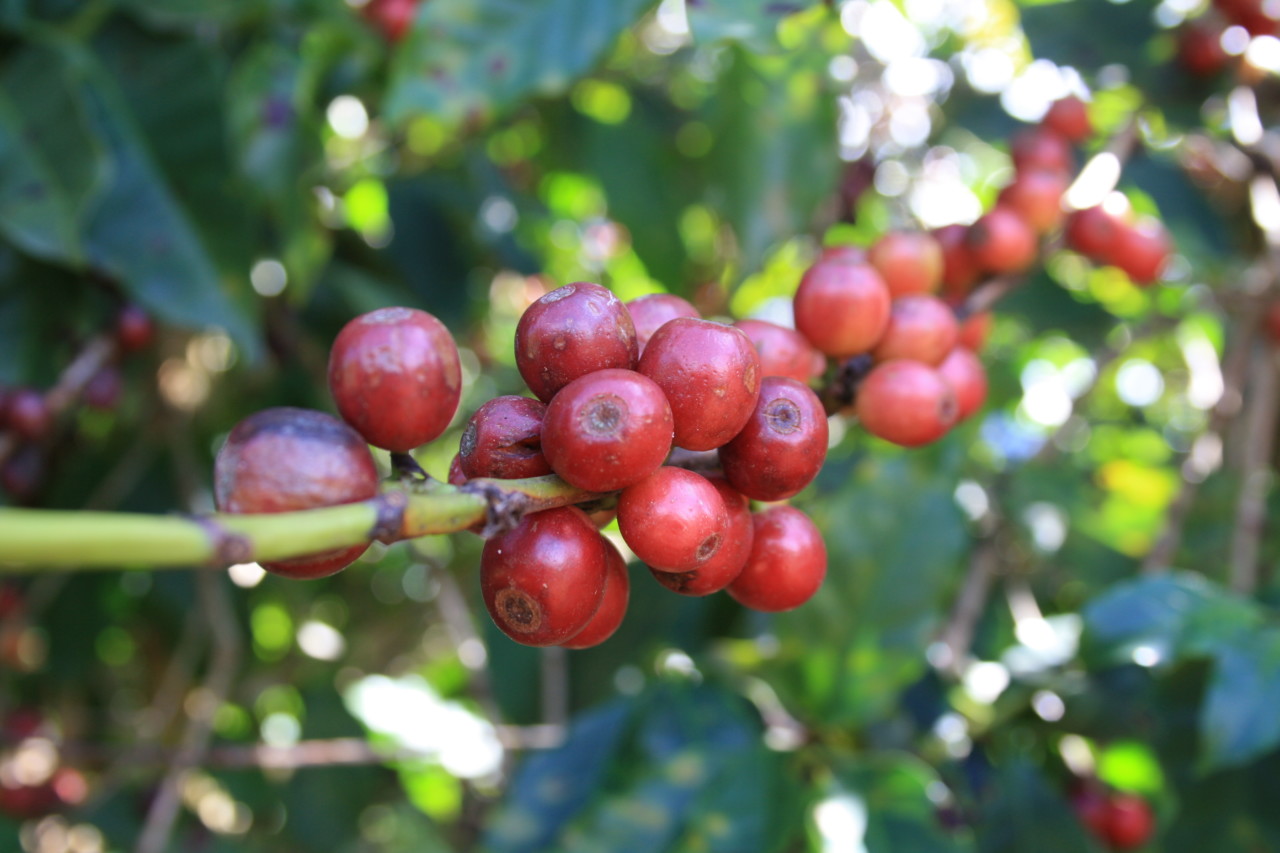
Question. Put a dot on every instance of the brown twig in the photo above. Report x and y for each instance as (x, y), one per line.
(1261, 410)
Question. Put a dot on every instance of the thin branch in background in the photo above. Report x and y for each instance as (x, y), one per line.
(957, 635)
(1259, 423)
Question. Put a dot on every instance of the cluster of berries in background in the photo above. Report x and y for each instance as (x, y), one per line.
(1202, 47)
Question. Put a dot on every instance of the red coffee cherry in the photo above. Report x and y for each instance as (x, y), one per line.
(720, 570)
(908, 262)
(613, 604)
(844, 254)
(1129, 822)
(28, 413)
(674, 520)
(1036, 196)
(1141, 250)
(650, 313)
(906, 402)
(104, 389)
(395, 376)
(455, 476)
(1200, 49)
(1250, 14)
(1093, 233)
(572, 331)
(964, 372)
(783, 445)
(1069, 118)
(842, 306)
(1002, 242)
(710, 374)
(134, 328)
(1041, 148)
(544, 579)
(607, 430)
(921, 328)
(974, 331)
(284, 459)
(1092, 807)
(788, 562)
(959, 269)
(392, 17)
(503, 439)
(783, 351)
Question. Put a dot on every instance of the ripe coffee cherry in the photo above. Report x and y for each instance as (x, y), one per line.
(503, 439)
(104, 389)
(1069, 118)
(1200, 49)
(572, 331)
(908, 262)
(1093, 232)
(720, 570)
(783, 445)
(674, 520)
(842, 306)
(455, 476)
(1141, 250)
(968, 379)
(395, 376)
(1002, 242)
(922, 328)
(1129, 822)
(1040, 148)
(544, 579)
(652, 312)
(613, 604)
(710, 374)
(906, 402)
(284, 459)
(393, 17)
(134, 328)
(975, 330)
(783, 351)
(607, 430)
(788, 562)
(1036, 196)
(28, 413)
(959, 269)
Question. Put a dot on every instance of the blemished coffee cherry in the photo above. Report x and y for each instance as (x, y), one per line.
(572, 331)
(783, 351)
(613, 604)
(974, 331)
(787, 565)
(783, 445)
(607, 430)
(960, 272)
(1200, 49)
(544, 579)
(1036, 196)
(674, 520)
(921, 328)
(908, 262)
(718, 572)
(710, 374)
(503, 439)
(1069, 118)
(1141, 250)
(104, 389)
(29, 414)
(650, 313)
(395, 377)
(1093, 233)
(968, 379)
(1002, 242)
(1040, 148)
(284, 459)
(842, 306)
(135, 329)
(906, 402)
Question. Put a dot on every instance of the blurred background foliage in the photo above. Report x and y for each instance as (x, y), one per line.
(1006, 619)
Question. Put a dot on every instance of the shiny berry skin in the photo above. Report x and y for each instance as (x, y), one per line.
(544, 579)
(842, 306)
(1141, 250)
(1129, 822)
(104, 389)
(1200, 49)
(613, 604)
(710, 374)
(968, 379)
(572, 331)
(906, 402)
(1036, 196)
(29, 414)
(674, 520)
(650, 313)
(960, 272)
(503, 439)
(1093, 233)
(908, 262)
(974, 331)
(783, 351)
(1002, 242)
(1040, 148)
(922, 328)
(135, 329)
(782, 447)
(393, 17)
(284, 459)
(395, 377)
(1069, 118)
(720, 570)
(607, 430)
(787, 565)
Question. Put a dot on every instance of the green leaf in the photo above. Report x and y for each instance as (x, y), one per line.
(468, 58)
(51, 163)
(1027, 814)
(752, 22)
(1238, 721)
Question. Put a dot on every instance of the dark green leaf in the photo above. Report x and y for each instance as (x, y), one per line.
(892, 791)
(1027, 814)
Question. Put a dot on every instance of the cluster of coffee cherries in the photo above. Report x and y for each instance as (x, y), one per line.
(1200, 41)
(29, 414)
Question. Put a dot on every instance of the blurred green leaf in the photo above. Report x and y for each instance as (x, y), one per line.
(1025, 813)
(1239, 721)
